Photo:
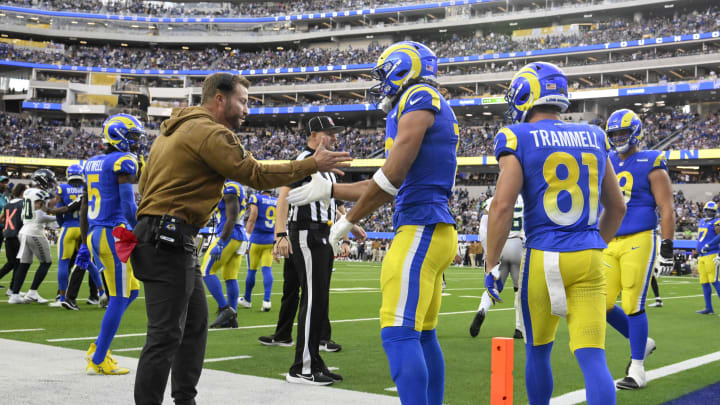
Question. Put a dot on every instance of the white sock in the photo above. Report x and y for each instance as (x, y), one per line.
(485, 302)
(637, 363)
(32, 292)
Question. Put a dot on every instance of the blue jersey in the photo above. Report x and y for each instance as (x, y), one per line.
(235, 189)
(633, 176)
(563, 167)
(65, 195)
(423, 198)
(101, 178)
(706, 233)
(264, 231)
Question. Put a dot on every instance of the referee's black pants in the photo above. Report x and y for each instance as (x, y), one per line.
(177, 318)
(12, 247)
(289, 304)
(312, 259)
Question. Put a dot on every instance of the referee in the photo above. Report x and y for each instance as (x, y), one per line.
(181, 185)
(309, 261)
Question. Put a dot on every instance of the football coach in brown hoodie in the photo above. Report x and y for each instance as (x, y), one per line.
(180, 186)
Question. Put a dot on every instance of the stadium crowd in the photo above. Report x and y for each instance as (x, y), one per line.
(21, 136)
(617, 29)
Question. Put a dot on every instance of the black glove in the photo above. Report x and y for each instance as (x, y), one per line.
(666, 262)
(74, 205)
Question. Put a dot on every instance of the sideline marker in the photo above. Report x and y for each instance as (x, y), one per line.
(501, 379)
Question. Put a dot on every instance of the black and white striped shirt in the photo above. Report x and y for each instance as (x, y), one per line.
(317, 212)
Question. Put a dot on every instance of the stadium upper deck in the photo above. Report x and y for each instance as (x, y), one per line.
(425, 19)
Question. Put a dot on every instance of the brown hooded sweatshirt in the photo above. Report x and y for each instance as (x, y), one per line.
(190, 161)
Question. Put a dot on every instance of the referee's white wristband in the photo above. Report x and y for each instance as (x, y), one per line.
(384, 183)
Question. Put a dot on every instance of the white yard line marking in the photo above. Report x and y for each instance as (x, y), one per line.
(470, 296)
(21, 330)
(391, 389)
(578, 396)
(129, 349)
(227, 358)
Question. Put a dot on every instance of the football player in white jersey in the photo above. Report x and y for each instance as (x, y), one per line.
(509, 263)
(36, 214)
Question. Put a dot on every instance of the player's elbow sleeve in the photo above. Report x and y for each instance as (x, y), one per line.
(127, 202)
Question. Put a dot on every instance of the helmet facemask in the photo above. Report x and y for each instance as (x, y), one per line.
(620, 140)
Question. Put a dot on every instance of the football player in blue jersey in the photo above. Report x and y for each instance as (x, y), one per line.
(70, 238)
(225, 254)
(707, 248)
(421, 139)
(564, 174)
(630, 256)
(261, 227)
(109, 202)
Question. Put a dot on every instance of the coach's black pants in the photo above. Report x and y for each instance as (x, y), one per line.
(177, 318)
(312, 259)
(12, 246)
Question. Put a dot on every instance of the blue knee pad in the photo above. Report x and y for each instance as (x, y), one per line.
(599, 385)
(233, 292)
(435, 363)
(249, 284)
(267, 282)
(215, 288)
(538, 373)
(638, 335)
(407, 363)
(63, 275)
(617, 319)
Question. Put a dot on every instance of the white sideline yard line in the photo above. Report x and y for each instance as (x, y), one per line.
(263, 326)
(578, 396)
(21, 330)
(129, 349)
(215, 360)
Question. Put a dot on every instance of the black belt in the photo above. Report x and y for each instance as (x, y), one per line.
(182, 226)
(308, 226)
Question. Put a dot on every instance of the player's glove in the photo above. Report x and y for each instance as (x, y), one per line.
(82, 259)
(338, 231)
(705, 249)
(319, 188)
(666, 261)
(216, 252)
(716, 261)
(493, 283)
(74, 205)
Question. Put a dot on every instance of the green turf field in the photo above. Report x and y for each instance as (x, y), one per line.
(354, 303)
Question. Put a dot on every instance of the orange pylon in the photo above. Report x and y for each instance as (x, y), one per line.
(501, 379)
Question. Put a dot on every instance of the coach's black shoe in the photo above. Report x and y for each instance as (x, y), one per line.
(70, 305)
(271, 341)
(317, 378)
(329, 346)
(518, 334)
(225, 317)
(477, 323)
(335, 377)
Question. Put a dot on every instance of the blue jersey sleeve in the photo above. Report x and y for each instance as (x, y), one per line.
(506, 141)
(126, 164)
(253, 200)
(59, 194)
(419, 97)
(660, 162)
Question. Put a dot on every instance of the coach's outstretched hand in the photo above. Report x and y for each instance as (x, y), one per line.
(327, 161)
(319, 188)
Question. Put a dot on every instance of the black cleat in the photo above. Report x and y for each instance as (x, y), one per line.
(316, 378)
(271, 341)
(518, 334)
(225, 317)
(627, 383)
(329, 346)
(335, 377)
(477, 323)
(70, 304)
